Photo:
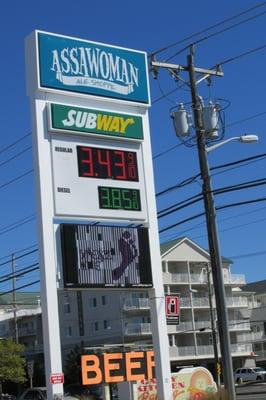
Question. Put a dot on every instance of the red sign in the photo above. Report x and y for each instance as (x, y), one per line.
(172, 309)
(57, 378)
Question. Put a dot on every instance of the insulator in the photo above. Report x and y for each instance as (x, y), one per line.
(181, 123)
(210, 120)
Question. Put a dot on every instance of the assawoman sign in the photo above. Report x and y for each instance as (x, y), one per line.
(94, 180)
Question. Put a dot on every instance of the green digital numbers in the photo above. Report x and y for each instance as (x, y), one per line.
(119, 198)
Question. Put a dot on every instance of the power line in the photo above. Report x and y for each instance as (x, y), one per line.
(217, 208)
(18, 288)
(193, 178)
(17, 224)
(14, 143)
(19, 257)
(218, 33)
(15, 156)
(16, 179)
(208, 28)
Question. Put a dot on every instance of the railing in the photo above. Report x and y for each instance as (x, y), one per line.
(241, 348)
(257, 336)
(185, 302)
(237, 302)
(203, 324)
(239, 325)
(235, 278)
(138, 328)
(135, 304)
(182, 327)
(204, 350)
(179, 278)
(200, 302)
(27, 331)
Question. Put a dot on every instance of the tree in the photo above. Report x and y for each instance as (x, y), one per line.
(72, 365)
(12, 364)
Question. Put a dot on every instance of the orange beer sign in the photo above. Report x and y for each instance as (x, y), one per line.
(117, 367)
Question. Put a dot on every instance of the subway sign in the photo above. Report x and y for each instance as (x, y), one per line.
(86, 67)
(84, 121)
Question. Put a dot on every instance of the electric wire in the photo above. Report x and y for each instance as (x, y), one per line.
(208, 28)
(211, 35)
(20, 287)
(15, 156)
(15, 179)
(217, 208)
(14, 143)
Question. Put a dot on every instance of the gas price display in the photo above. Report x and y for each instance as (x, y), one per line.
(94, 162)
(119, 198)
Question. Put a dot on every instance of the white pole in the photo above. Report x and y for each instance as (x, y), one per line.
(49, 300)
(156, 295)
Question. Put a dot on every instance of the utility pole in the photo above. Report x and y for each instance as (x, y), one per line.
(214, 248)
(14, 296)
(213, 328)
(210, 214)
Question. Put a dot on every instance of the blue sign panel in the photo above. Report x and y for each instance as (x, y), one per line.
(90, 68)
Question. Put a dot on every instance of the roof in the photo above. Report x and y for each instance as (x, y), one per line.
(21, 297)
(168, 245)
(258, 287)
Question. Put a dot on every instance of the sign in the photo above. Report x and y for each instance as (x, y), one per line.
(86, 121)
(57, 378)
(81, 66)
(30, 368)
(117, 367)
(105, 256)
(79, 170)
(172, 309)
(189, 384)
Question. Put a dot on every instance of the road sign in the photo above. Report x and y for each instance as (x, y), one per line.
(172, 309)
(57, 378)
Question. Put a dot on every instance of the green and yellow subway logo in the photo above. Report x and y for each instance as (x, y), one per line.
(85, 120)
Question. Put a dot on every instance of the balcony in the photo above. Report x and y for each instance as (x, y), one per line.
(182, 327)
(182, 351)
(141, 328)
(169, 279)
(237, 301)
(239, 325)
(241, 348)
(136, 304)
(235, 279)
(205, 350)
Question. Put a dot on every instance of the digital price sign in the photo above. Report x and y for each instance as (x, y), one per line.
(115, 198)
(94, 162)
(96, 181)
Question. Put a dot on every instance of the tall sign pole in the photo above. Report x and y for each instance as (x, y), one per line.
(93, 163)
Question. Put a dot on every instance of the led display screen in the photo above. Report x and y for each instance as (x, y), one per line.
(114, 198)
(103, 163)
(105, 256)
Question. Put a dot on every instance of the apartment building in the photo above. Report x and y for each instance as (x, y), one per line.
(102, 318)
(257, 303)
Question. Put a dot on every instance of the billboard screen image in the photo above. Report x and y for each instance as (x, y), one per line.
(105, 256)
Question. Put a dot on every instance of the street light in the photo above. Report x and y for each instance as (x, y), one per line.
(214, 246)
(241, 139)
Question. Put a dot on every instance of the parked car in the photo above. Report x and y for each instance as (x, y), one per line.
(250, 374)
(38, 393)
(89, 392)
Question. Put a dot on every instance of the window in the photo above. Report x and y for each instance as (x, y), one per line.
(94, 302)
(66, 308)
(68, 331)
(103, 300)
(96, 326)
(106, 324)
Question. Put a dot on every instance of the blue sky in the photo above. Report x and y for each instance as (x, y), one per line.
(148, 26)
